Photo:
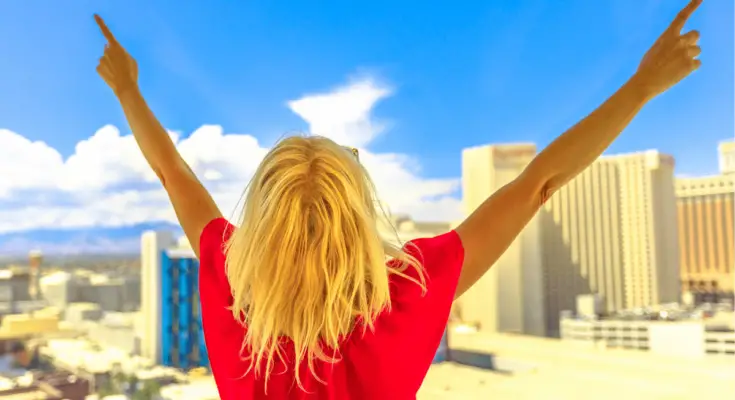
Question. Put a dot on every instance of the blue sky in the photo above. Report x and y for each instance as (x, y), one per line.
(485, 72)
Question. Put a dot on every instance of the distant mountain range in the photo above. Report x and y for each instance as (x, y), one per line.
(116, 240)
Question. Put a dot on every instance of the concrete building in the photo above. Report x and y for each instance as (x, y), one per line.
(19, 325)
(14, 284)
(35, 262)
(171, 330)
(516, 280)
(60, 288)
(151, 252)
(726, 152)
(115, 330)
(705, 207)
(78, 313)
(108, 293)
(608, 232)
(690, 338)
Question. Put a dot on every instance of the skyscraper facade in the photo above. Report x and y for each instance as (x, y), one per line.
(705, 208)
(510, 297)
(182, 337)
(726, 151)
(610, 231)
(152, 245)
(171, 327)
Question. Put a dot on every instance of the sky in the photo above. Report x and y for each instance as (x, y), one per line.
(410, 83)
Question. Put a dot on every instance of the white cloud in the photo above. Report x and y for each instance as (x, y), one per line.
(106, 182)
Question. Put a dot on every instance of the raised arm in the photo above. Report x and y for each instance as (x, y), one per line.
(192, 203)
(490, 229)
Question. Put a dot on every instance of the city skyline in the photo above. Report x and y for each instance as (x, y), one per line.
(125, 239)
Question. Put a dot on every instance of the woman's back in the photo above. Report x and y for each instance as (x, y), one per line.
(387, 362)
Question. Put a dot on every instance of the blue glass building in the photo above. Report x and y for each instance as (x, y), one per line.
(182, 338)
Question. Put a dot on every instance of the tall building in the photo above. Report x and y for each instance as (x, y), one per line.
(35, 260)
(705, 208)
(510, 297)
(611, 232)
(727, 157)
(171, 327)
(182, 337)
(152, 246)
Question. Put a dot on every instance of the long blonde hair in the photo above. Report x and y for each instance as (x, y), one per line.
(308, 262)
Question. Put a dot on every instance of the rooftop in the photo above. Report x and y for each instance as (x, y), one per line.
(563, 370)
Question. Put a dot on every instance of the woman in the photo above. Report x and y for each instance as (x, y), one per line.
(298, 301)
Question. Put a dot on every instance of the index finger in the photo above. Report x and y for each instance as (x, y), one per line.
(683, 16)
(105, 30)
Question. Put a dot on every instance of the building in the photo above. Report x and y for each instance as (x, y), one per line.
(108, 293)
(726, 152)
(35, 261)
(705, 207)
(689, 338)
(610, 232)
(607, 232)
(182, 336)
(171, 329)
(151, 253)
(515, 282)
(114, 330)
(60, 289)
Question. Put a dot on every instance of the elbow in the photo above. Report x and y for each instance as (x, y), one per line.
(543, 181)
(171, 170)
(547, 190)
(159, 174)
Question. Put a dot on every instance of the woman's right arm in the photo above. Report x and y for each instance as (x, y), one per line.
(192, 203)
(490, 229)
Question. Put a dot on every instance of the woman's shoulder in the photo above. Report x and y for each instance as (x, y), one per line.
(436, 250)
(217, 229)
(440, 259)
(214, 235)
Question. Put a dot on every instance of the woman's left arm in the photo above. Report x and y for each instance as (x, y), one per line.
(491, 229)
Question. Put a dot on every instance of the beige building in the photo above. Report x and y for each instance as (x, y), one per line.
(705, 208)
(152, 245)
(680, 338)
(510, 297)
(610, 231)
(727, 156)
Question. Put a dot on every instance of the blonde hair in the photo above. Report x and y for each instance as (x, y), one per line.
(307, 262)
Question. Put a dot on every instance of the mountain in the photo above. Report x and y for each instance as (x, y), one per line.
(94, 240)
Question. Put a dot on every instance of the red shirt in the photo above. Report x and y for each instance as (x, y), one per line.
(387, 363)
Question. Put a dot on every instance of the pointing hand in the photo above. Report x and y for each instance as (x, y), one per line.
(118, 69)
(673, 56)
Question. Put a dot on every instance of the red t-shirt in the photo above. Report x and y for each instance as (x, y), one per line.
(387, 363)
